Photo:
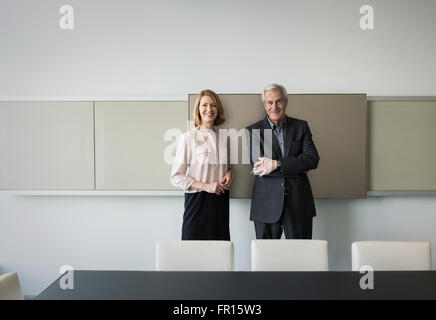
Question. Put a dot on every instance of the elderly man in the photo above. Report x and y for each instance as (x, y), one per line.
(282, 199)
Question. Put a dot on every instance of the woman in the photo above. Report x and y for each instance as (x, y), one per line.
(201, 169)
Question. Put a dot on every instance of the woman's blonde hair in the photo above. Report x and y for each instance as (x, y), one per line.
(196, 113)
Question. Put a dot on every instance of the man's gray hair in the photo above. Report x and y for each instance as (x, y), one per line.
(274, 87)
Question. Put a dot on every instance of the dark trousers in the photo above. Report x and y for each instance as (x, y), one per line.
(292, 227)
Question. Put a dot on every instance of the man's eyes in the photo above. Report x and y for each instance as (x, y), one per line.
(277, 102)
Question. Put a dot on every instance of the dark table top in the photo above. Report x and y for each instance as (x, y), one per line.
(242, 285)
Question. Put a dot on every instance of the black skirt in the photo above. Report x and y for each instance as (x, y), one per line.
(206, 216)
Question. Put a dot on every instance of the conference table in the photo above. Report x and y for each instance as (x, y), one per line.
(241, 285)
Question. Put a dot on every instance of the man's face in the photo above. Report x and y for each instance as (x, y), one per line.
(275, 106)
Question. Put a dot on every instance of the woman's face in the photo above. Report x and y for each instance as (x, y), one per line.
(208, 110)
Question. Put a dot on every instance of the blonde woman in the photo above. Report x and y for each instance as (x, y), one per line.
(201, 170)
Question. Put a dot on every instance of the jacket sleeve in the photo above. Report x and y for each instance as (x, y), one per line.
(292, 165)
(305, 161)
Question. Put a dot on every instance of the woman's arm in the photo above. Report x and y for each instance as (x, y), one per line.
(178, 177)
(213, 187)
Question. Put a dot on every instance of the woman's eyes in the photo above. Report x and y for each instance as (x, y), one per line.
(212, 105)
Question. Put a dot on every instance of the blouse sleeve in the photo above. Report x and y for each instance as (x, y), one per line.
(179, 177)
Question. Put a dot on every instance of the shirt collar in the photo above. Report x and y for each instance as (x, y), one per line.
(282, 125)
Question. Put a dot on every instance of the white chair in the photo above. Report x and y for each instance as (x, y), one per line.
(194, 255)
(289, 255)
(391, 255)
(10, 288)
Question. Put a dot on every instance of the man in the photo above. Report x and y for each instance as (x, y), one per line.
(282, 198)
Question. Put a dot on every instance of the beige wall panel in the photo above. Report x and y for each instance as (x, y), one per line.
(402, 139)
(338, 125)
(130, 143)
(46, 145)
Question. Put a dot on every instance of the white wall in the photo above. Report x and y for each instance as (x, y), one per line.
(166, 49)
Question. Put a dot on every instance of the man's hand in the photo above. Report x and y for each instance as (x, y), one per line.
(227, 180)
(264, 166)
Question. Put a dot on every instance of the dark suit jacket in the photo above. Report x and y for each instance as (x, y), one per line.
(300, 156)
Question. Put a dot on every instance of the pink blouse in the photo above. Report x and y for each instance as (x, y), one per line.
(202, 155)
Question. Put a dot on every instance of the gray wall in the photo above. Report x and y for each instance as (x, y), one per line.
(159, 50)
